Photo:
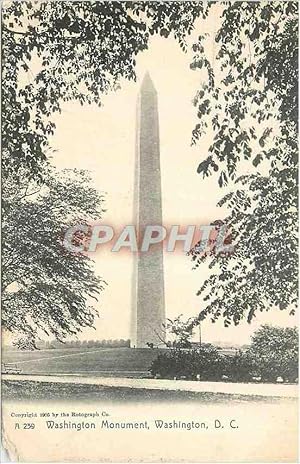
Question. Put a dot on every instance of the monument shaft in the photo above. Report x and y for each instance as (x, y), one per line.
(148, 300)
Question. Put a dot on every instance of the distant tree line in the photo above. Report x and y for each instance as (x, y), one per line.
(55, 344)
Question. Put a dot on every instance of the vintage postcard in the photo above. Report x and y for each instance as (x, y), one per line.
(149, 231)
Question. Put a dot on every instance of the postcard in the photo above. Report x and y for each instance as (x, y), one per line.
(149, 231)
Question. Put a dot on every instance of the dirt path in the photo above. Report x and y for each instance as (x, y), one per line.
(266, 390)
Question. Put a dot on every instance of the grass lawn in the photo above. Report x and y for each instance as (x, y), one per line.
(78, 360)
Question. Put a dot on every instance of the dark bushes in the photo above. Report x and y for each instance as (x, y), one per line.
(208, 363)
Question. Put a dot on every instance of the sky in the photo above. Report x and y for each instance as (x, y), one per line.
(102, 140)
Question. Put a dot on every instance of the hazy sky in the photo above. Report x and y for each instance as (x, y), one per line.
(102, 140)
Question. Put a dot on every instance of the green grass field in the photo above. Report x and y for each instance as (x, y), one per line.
(97, 361)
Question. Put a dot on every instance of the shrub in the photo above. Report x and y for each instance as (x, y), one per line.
(275, 353)
(240, 367)
(206, 362)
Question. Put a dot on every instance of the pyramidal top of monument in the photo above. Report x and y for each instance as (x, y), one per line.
(147, 84)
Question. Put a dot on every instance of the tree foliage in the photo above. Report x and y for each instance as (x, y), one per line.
(274, 351)
(45, 288)
(179, 332)
(250, 101)
(75, 51)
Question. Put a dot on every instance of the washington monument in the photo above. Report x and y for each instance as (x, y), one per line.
(148, 298)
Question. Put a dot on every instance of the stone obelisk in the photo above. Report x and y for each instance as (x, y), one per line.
(148, 299)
